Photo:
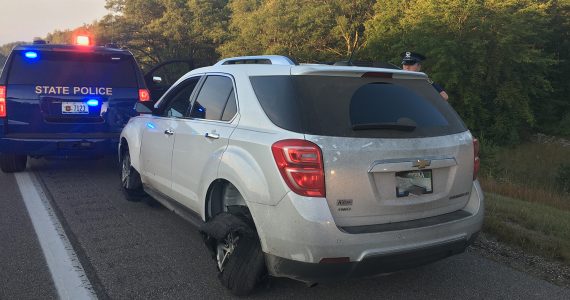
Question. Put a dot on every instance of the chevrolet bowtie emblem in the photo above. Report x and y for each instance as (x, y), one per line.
(421, 164)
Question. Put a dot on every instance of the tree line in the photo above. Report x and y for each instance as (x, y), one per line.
(504, 63)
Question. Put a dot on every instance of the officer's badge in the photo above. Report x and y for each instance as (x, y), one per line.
(408, 54)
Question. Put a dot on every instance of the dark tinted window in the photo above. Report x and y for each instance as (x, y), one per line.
(339, 106)
(386, 103)
(73, 69)
(178, 100)
(231, 107)
(212, 99)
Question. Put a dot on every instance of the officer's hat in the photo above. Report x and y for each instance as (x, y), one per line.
(410, 58)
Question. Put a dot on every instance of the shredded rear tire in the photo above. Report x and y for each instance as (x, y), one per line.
(245, 266)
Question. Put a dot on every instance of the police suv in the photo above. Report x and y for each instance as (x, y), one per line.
(65, 100)
(311, 172)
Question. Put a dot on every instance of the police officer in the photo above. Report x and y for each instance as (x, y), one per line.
(412, 61)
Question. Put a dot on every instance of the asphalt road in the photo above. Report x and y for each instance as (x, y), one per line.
(132, 250)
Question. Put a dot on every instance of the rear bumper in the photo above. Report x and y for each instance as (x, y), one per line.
(298, 233)
(60, 146)
(370, 265)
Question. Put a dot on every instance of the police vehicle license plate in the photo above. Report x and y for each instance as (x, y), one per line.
(74, 108)
(414, 182)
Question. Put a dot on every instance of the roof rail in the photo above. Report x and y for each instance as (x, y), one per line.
(260, 59)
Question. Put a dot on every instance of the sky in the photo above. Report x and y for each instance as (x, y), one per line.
(22, 20)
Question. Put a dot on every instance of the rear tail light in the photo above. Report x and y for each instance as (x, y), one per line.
(2, 101)
(300, 163)
(144, 95)
(476, 161)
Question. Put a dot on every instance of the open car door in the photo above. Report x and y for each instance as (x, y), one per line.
(162, 76)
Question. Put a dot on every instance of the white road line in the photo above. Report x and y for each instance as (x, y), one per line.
(66, 270)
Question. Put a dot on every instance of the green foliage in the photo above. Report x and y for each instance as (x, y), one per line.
(60, 37)
(563, 178)
(161, 30)
(307, 30)
(491, 55)
(5, 51)
(534, 227)
(504, 63)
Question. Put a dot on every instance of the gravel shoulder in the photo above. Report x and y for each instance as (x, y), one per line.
(552, 271)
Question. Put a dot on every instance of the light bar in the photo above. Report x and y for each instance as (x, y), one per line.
(92, 102)
(82, 40)
(31, 54)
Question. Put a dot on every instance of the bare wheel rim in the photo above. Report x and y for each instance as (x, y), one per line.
(126, 171)
(225, 249)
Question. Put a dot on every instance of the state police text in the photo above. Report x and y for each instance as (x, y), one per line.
(73, 90)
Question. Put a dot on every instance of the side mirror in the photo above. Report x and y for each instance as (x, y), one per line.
(144, 107)
(156, 79)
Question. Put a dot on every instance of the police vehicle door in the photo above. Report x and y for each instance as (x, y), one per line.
(159, 136)
(202, 139)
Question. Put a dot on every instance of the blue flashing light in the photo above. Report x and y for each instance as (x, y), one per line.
(150, 125)
(31, 54)
(93, 102)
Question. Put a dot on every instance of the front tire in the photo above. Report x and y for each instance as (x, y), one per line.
(131, 183)
(10, 163)
(237, 252)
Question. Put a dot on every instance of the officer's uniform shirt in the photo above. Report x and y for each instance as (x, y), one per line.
(410, 58)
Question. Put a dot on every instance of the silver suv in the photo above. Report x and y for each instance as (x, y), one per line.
(311, 172)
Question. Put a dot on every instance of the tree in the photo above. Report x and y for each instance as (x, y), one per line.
(491, 55)
(306, 30)
(161, 30)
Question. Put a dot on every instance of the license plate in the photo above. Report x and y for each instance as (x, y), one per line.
(74, 108)
(414, 183)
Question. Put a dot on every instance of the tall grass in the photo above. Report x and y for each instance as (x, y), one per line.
(537, 228)
(527, 172)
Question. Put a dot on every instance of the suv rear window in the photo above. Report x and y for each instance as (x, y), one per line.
(73, 68)
(356, 107)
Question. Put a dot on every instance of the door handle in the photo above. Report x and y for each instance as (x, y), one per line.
(169, 132)
(212, 135)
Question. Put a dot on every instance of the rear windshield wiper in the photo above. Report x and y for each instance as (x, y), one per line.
(390, 126)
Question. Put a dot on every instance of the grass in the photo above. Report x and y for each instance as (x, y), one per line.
(525, 205)
(537, 228)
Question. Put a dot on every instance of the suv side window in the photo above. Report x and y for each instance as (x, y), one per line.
(212, 101)
(178, 101)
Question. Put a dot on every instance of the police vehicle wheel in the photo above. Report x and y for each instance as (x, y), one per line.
(236, 249)
(131, 180)
(10, 163)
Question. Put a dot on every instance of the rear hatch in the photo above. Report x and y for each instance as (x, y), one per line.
(393, 149)
(64, 93)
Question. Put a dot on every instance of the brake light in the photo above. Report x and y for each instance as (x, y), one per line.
(82, 40)
(476, 161)
(144, 95)
(2, 101)
(377, 75)
(300, 163)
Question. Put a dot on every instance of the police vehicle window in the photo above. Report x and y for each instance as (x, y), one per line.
(178, 104)
(212, 99)
(52, 68)
(231, 107)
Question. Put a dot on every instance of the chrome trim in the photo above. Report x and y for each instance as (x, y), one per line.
(385, 166)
